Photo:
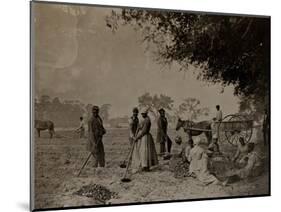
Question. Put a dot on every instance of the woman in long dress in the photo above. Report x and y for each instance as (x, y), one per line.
(144, 154)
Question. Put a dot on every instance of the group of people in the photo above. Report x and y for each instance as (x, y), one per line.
(144, 155)
(246, 159)
(144, 151)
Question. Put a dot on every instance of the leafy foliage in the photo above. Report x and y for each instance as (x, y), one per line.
(229, 50)
(66, 113)
(191, 107)
(155, 102)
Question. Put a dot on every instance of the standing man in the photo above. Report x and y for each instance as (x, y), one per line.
(265, 127)
(81, 128)
(133, 124)
(96, 132)
(214, 146)
(218, 113)
(162, 137)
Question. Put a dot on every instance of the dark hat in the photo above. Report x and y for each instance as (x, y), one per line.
(135, 110)
(95, 107)
(161, 110)
(178, 140)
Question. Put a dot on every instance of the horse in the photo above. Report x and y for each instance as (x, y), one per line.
(187, 125)
(45, 125)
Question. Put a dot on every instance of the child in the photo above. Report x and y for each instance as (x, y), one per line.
(81, 128)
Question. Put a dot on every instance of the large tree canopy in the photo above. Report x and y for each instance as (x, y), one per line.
(230, 50)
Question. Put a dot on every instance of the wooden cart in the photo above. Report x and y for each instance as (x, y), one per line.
(234, 126)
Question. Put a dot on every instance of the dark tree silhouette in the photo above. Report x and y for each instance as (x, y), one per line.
(229, 50)
(156, 102)
(191, 109)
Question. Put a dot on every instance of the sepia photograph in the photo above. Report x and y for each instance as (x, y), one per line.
(139, 105)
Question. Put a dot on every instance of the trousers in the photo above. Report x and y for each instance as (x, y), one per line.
(98, 155)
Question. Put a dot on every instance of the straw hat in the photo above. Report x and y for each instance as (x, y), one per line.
(197, 140)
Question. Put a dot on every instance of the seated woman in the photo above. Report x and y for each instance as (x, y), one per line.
(198, 158)
(187, 149)
(252, 165)
(242, 150)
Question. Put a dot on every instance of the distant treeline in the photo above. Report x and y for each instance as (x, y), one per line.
(65, 113)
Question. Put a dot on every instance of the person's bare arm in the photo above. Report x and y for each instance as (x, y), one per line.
(79, 128)
(237, 154)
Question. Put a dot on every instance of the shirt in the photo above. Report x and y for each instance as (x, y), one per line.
(219, 115)
(82, 125)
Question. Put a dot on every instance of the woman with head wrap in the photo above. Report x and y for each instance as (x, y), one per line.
(252, 164)
(198, 167)
(144, 154)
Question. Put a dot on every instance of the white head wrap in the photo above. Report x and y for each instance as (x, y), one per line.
(197, 140)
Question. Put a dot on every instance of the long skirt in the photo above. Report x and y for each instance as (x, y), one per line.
(200, 169)
(144, 154)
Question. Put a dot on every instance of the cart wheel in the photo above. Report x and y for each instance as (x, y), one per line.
(235, 127)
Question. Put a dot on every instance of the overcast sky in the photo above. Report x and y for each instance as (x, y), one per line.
(78, 57)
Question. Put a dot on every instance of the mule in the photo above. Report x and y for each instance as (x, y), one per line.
(44, 125)
(187, 125)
